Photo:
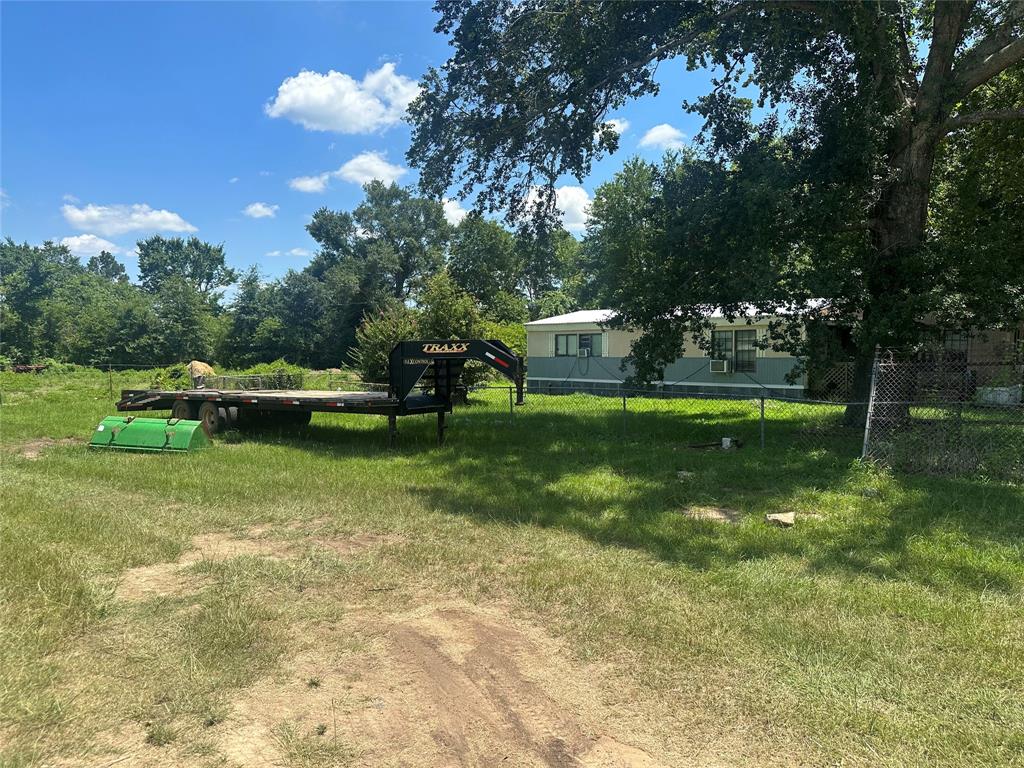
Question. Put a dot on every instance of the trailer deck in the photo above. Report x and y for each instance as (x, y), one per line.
(433, 368)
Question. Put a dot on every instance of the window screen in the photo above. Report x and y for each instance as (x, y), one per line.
(721, 345)
(591, 341)
(565, 345)
(746, 351)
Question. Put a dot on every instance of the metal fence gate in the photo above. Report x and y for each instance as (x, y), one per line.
(943, 413)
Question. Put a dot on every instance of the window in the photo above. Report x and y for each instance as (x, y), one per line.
(739, 347)
(954, 344)
(721, 345)
(746, 351)
(565, 345)
(569, 344)
(591, 341)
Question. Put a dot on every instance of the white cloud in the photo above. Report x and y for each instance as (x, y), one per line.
(367, 166)
(663, 136)
(572, 202)
(298, 252)
(260, 210)
(454, 213)
(619, 125)
(70, 199)
(266, 173)
(233, 180)
(5, 199)
(316, 183)
(361, 169)
(114, 220)
(339, 102)
(86, 246)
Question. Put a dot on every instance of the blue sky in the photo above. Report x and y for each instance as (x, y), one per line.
(230, 121)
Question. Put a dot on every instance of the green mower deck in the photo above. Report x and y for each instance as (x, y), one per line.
(132, 433)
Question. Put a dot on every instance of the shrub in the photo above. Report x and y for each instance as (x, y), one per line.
(174, 376)
(376, 337)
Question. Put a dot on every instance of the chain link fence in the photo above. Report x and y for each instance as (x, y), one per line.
(943, 413)
(670, 418)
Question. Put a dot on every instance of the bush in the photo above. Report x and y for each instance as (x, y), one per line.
(377, 336)
(279, 374)
(176, 376)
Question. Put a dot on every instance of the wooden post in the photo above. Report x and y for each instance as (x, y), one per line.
(392, 430)
(440, 427)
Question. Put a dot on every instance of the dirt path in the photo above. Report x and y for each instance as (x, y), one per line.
(448, 685)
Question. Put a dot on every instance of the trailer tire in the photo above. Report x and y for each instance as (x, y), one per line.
(210, 415)
(184, 409)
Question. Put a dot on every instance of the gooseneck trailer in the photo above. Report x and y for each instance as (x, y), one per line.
(423, 377)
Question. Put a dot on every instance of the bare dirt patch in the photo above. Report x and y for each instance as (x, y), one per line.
(33, 449)
(448, 685)
(714, 514)
(161, 579)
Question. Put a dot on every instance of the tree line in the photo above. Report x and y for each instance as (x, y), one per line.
(392, 265)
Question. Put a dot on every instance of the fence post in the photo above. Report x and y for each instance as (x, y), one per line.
(871, 406)
(762, 421)
(110, 381)
(511, 407)
(624, 416)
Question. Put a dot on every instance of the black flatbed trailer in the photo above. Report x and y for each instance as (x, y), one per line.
(432, 367)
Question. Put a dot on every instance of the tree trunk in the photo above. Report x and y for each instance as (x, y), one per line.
(894, 276)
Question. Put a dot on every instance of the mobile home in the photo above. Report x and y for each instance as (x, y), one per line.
(578, 351)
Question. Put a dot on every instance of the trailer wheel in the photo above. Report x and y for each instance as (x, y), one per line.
(184, 409)
(209, 414)
(231, 416)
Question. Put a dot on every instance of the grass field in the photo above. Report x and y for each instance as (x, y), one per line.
(540, 591)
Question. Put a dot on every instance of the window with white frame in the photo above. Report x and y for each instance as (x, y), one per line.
(572, 344)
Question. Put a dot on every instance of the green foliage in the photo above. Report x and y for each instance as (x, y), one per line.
(198, 263)
(377, 336)
(106, 266)
(176, 376)
(254, 331)
(513, 334)
(506, 307)
(280, 366)
(277, 374)
(977, 214)
(484, 260)
(185, 327)
(446, 311)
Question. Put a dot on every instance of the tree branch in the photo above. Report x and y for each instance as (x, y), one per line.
(1003, 47)
(956, 122)
(947, 30)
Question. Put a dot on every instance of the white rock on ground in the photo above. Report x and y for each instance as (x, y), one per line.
(781, 519)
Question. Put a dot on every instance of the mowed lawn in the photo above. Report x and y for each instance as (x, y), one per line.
(541, 591)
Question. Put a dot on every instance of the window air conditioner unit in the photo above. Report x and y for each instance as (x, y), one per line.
(719, 366)
(582, 353)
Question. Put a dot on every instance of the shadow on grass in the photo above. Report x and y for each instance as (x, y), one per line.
(583, 474)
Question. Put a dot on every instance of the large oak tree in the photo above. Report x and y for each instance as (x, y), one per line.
(854, 101)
